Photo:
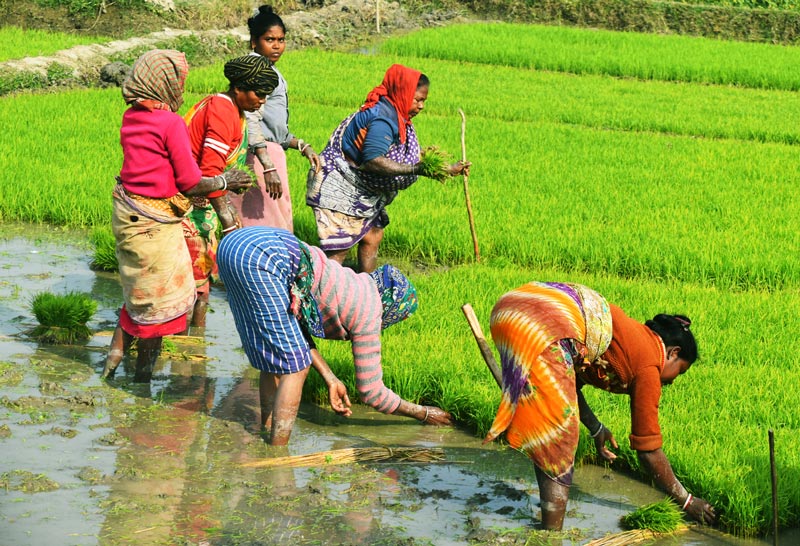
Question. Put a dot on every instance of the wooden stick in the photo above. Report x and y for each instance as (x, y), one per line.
(774, 474)
(483, 345)
(466, 187)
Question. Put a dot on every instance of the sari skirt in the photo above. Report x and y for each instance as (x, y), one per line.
(539, 329)
(154, 268)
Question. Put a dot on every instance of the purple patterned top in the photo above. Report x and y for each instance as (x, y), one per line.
(343, 188)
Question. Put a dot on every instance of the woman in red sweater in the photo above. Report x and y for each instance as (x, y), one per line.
(157, 171)
(554, 338)
(218, 133)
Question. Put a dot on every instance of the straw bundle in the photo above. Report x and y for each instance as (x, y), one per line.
(354, 455)
(635, 536)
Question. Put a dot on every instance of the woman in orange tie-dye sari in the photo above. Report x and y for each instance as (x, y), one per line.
(554, 338)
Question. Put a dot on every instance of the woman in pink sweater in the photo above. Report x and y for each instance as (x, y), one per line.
(282, 292)
(149, 203)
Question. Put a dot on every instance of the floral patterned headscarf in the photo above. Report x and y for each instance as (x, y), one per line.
(303, 306)
(398, 295)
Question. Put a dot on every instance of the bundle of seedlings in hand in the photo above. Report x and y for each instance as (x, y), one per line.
(660, 517)
(433, 164)
(62, 319)
(253, 179)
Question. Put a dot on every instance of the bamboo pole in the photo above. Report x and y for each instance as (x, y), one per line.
(466, 187)
(774, 475)
(483, 345)
(378, 16)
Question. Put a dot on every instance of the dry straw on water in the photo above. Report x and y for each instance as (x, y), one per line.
(354, 455)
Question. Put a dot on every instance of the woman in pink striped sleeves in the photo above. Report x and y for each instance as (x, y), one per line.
(282, 293)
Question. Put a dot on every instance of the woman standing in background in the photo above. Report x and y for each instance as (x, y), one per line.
(270, 204)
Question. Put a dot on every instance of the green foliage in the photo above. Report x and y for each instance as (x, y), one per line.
(433, 164)
(92, 7)
(62, 318)
(724, 19)
(17, 43)
(663, 516)
(105, 250)
(622, 54)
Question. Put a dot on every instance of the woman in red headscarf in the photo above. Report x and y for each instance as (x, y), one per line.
(370, 157)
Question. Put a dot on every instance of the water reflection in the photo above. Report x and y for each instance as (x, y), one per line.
(162, 463)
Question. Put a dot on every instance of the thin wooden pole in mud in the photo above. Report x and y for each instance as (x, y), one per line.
(466, 187)
(483, 345)
(774, 475)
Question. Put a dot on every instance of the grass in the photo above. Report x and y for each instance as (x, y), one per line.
(62, 318)
(20, 43)
(622, 54)
(660, 517)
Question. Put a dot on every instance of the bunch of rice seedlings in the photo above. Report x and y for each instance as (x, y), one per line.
(253, 179)
(105, 256)
(62, 319)
(433, 164)
(660, 517)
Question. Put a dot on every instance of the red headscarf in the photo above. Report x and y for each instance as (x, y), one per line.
(399, 87)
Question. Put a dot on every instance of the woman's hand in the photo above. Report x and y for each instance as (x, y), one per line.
(238, 180)
(701, 511)
(340, 402)
(462, 167)
(603, 437)
(309, 153)
(272, 183)
(437, 417)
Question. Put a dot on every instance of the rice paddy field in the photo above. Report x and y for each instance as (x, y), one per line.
(19, 43)
(659, 170)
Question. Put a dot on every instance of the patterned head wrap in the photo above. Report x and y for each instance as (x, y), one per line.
(156, 80)
(399, 87)
(252, 73)
(398, 295)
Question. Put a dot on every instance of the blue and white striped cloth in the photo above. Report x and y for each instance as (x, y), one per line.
(258, 265)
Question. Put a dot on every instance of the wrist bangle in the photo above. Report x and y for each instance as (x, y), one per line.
(224, 182)
(687, 502)
(300, 144)
(425, 419)
(303, 149)
(598, 431)
(270, 170)
(229, 229)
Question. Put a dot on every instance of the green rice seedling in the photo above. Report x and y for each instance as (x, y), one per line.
(16, 43)
(433, 163)
(105, 247)
(663, 516)
(62, 318)
(621, 54)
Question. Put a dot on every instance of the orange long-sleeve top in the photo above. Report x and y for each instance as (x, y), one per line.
(636, 357)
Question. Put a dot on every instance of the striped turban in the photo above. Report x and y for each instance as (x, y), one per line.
(157, 76)
(252, 73)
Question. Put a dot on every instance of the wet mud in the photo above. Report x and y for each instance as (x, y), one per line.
(90, 462)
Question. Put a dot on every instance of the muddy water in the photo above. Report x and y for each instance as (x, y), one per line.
(86, 462)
